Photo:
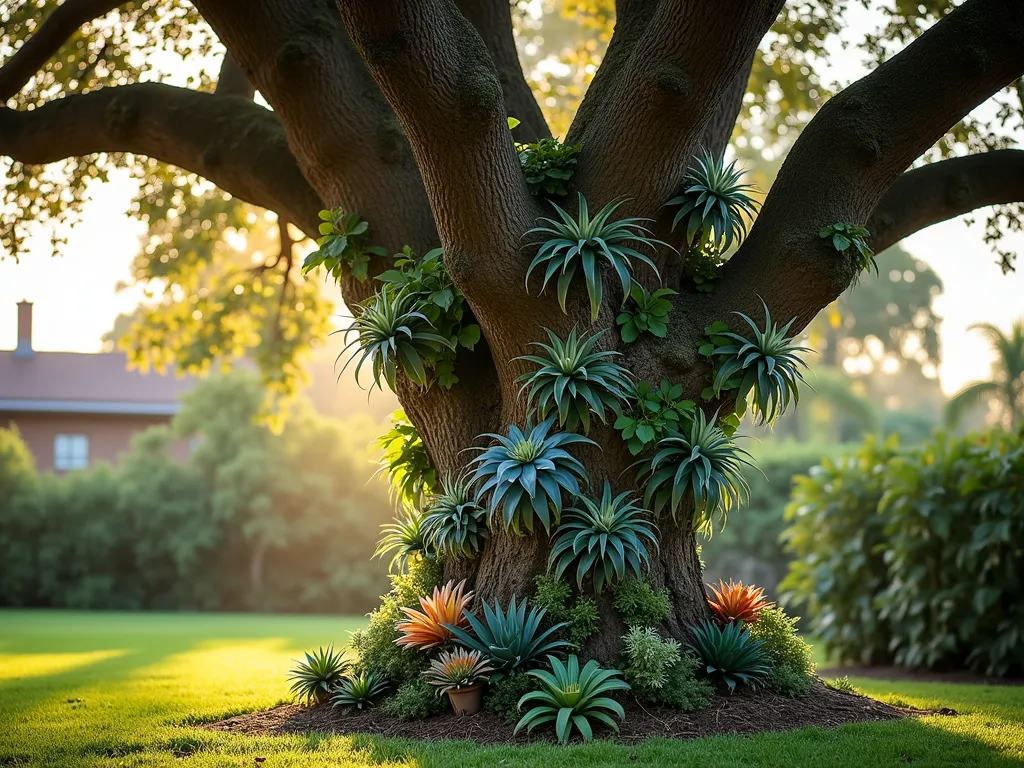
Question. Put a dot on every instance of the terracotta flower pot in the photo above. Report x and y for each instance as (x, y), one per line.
(467, 700)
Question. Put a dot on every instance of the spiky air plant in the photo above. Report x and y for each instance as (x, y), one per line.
(392, 334)
(455, 522)
(573, 378)
(456, 669)
(405, 537)
(699, 465)
(570, 697)
(766, 365)
(358, 691)
(432, 627)
(526, 472)
(315, 677)
(728, 654)
(713, 202)
(582, 242)
(604, 538)
(734, 602)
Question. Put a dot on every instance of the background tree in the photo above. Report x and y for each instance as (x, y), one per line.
(1005, 390)
(397, 111)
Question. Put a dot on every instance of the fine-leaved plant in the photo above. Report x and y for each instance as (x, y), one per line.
(713, 203)
(403, 539)
(648, 659)
(639, 604)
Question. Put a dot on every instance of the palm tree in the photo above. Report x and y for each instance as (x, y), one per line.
(1007, 383)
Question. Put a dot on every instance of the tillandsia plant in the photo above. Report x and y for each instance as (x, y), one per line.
(358, 691)
(426, 280)
(456, 669)
(648, 313)
(734, 602)
(653, 414)
(455, 522)
(526, 472)
(314, 677)
(547, 165)
(713, 203)
(698, 465)
(391, 333)
(510, 639)
(582, 242)
(766, 367)
(573, 378)
(607, 539)
(843, 236)
(570, 697)
(411, 473)
(442, 612)
(406, 538)
(342, 244)
(728, 654)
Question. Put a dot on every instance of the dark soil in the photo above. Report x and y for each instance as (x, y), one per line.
(743, 712)
(919, 675)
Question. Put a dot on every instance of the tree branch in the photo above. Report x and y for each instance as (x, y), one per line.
(944, 190)
(236, 144)
(232, 80)
(857, 146)
(51, 35)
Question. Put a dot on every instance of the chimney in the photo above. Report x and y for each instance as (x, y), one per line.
(24, 348)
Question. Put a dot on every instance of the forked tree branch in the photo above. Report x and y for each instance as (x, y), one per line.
(51, 35)
(232, 80)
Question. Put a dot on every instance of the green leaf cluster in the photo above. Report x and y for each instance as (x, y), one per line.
(405, 461)
(729, 655)
(415, 699)
(844, 236)
(682, 690)
(547, 165)
(648, 313)
(787, 654)
(343, 244)
(639, 604)
(583, 243)
(703, 266)
(502, 696)
(581, 616)
(654, 414)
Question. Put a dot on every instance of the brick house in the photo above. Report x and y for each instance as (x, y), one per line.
(74, 410)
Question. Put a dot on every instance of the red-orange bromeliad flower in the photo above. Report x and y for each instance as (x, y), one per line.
(735, 602)
(425, 629)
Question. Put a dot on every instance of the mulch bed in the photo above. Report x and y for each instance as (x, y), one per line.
(743, 712)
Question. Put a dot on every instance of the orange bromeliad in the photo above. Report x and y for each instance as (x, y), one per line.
(735, 602)
(425, 629)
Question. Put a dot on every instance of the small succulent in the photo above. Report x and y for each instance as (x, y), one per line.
(570, 697)
(509, 639)
(357, 691)
(654, 413)
(582, 242)
(603, 538)
(842, 236)
(391, 333)
(734, 602)
(314, 678)
(526, 473)
(728, 654)
(713, 202)
(547, 165)
(342, 243)
(766, 368)
(456, 669)
(442, 612)
(647, 314)
(406, 538)
(455, 522)
(697, 465)
(572, 379)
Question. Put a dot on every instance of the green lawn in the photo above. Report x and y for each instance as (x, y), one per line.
(110, 689)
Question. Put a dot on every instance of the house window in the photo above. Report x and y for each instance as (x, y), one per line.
(70, 452)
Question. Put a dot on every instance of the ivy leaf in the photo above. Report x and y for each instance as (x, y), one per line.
(469, 336)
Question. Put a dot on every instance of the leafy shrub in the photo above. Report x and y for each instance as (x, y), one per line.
(713, 203)
(786, 653)
(547, 165)
(443, 613)
(843, 236)
(526, 473)
(582, 242)
(414, 700)
(639, 604)
(569, 696)
(455, 523)
(584, 621)
(648, 313)
(405, 461)
(572, 379)
(314, 677)
(456, 669)
(728, 654)
(509, 638)
(604, 539)
(406, 538)
(734, 602)
(648, 659)
(358, 690)
(582, 617)
(502, 696)
(654, 413)
(682, 690)
(343, 243)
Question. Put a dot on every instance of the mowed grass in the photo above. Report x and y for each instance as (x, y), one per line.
(112, 689)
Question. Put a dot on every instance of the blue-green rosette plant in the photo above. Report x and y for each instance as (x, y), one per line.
(713, 202)
(526, 472)
(572, 379)
(603, 538)
(455, 521)
(729, 654)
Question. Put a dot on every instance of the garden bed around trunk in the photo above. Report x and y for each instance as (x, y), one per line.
(746, 712)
